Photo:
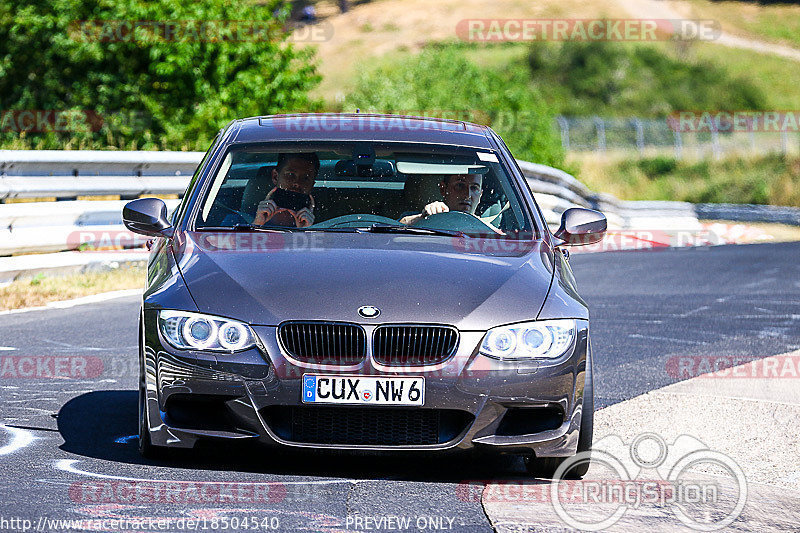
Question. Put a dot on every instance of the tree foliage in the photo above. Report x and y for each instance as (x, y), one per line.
(441, 81)
(613, 79)
(155, 89)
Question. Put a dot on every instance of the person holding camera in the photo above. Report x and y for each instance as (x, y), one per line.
(290, 202)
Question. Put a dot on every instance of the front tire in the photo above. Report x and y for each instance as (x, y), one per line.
(146, 448)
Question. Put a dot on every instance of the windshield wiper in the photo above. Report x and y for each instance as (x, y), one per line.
(337, 230)
(374, 228)
(247, 227)
(391, 228)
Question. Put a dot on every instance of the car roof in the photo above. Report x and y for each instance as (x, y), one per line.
(359, 127)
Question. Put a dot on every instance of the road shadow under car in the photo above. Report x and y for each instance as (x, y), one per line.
(103, 425)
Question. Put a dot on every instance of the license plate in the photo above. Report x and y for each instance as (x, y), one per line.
(363, 390)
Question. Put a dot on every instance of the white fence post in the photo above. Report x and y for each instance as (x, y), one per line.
(678, 143)
(639, 135)
(715, 147)
(601, 134)
(563, 125)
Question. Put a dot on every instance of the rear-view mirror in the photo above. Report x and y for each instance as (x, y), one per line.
(350, 168)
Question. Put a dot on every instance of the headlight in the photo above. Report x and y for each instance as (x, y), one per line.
(545, 339)
(188, 331)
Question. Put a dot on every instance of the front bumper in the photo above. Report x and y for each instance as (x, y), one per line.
(493, 405)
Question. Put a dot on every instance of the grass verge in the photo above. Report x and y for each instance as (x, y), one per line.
(776, 23)
(777, 77)
(42, 289)
(770, 179)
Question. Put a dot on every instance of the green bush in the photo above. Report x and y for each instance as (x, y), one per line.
(658, 166)
(615, 79)
(151, 92)
(441, 81)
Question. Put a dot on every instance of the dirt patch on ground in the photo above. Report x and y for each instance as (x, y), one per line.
(374, 29)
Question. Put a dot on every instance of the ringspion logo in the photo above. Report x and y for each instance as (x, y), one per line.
(704, 489)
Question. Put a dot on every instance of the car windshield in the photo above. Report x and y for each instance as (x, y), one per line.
(365, 186)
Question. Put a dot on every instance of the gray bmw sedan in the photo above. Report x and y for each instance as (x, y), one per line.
(364, 282)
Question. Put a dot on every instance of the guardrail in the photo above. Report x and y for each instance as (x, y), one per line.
(69, 225)
(750, 213)
(68, 174)
(58, 226)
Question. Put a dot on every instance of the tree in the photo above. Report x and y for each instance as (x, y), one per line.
(442, 82)
(160, 73)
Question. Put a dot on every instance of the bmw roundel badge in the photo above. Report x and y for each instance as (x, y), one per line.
(368, 311)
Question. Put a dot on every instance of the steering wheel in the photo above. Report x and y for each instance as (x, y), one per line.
(455, 220)
(354, 221)
(245, 217)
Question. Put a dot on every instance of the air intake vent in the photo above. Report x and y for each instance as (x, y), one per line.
(366, 426)
(324, 343)
(414, 345)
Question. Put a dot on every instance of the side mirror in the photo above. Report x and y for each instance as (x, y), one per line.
(147, 216)
(581, 226)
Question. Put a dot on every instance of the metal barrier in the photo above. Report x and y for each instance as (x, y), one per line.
(68, 174)
(637, 137)
(76, 224)
(71, 225)
(58, 226)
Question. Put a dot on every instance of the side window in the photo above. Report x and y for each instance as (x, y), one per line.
(181, 209)
(174, 218)
(511, 157)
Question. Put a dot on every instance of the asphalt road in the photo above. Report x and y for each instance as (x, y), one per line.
(67, 451)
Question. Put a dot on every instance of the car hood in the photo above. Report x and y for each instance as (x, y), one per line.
(417, 279)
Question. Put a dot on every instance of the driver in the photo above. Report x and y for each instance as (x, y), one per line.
(297, 173)
(460, 192)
